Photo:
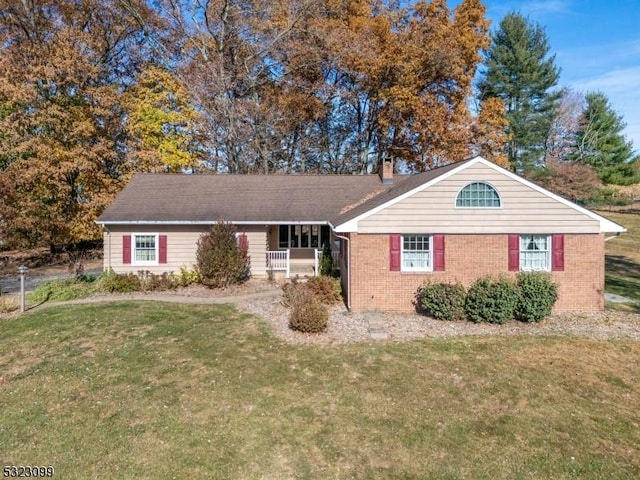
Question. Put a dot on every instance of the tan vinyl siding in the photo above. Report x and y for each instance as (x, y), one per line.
(523, 210)
(257, 236)
(181, 247)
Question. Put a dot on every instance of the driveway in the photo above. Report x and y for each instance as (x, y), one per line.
(33, 278)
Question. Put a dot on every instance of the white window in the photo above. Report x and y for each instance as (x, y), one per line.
(145, 249)
(478, 195)
(417, 253)
(535, 253)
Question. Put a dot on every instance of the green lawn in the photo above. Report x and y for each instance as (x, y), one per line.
(623, 256)
(151, 390)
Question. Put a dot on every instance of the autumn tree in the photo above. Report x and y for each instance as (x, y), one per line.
(163, 121)
(490, 132)
(601, 144)
(574, 181)
(63, 67)
(519, 70)
(330, 86)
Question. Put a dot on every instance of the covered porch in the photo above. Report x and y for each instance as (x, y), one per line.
(296, 249)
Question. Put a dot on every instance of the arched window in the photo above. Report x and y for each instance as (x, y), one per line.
(478, 195)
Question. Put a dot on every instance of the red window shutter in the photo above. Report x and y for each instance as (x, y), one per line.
(162, 249)
(438, 253)
(557, 253)
(514, 253)
(126, 249)
(394, 252)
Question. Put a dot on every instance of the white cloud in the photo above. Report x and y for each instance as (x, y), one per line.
(545, 6)
(622, 88)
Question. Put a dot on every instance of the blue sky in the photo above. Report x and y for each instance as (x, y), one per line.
(597, 46)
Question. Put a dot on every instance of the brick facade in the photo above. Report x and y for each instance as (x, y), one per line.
(467, 257)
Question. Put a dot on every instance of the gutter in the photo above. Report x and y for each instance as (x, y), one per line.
(211, 222)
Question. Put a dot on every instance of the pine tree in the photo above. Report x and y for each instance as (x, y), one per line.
(519, 71)
(601, 144)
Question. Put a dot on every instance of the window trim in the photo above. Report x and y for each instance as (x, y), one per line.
(156, 244)
(455, 201)
(549, 263)
(431, 250)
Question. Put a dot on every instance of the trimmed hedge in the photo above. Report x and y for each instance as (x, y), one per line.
(537, 295)
(528, 298)
(443, 301)
(492, 300)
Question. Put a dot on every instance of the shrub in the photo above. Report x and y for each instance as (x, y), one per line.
(186, 277)
(491, 300)
(308, 315)
(112, 282)
(292, 291)
(60, 290)
(327, 290)
(538, 294)
(9, 303)
(222, 260)
(326, 261)
(154, 282)
(443, 301)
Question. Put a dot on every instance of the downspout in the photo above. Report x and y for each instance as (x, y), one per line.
(346, 239)
(612, 237)
(109, 249)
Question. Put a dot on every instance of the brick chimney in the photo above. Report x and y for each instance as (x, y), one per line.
(386, 171)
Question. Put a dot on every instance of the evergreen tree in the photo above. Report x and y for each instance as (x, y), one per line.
(601, 144)
(519, 71)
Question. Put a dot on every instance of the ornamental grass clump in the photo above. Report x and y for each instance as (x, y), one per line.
(326, 289)
(9, 303)
(308, 315)
(492, 300)
(538, 294)
(443, 301)
(307, 300)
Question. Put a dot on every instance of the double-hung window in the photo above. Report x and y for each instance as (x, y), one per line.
(417, 253)
(535, 253)
(145, 249)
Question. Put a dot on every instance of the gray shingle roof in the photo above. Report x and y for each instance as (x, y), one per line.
(237, 198)
(179, 198)
(396, 190)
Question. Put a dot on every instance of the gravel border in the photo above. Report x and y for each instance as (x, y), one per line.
(350, 327)
(263, 299)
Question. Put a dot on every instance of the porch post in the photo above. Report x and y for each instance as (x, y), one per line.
(288, 264)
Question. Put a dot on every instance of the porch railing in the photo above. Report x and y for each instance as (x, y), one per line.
(278, 261)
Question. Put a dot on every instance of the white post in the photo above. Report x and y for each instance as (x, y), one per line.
(22, 269)
(288, 268)
(317, 262)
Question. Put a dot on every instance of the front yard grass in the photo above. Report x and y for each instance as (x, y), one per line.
(153, 390)
(622, 260)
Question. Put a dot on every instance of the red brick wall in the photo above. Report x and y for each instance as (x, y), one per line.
(467, 257)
